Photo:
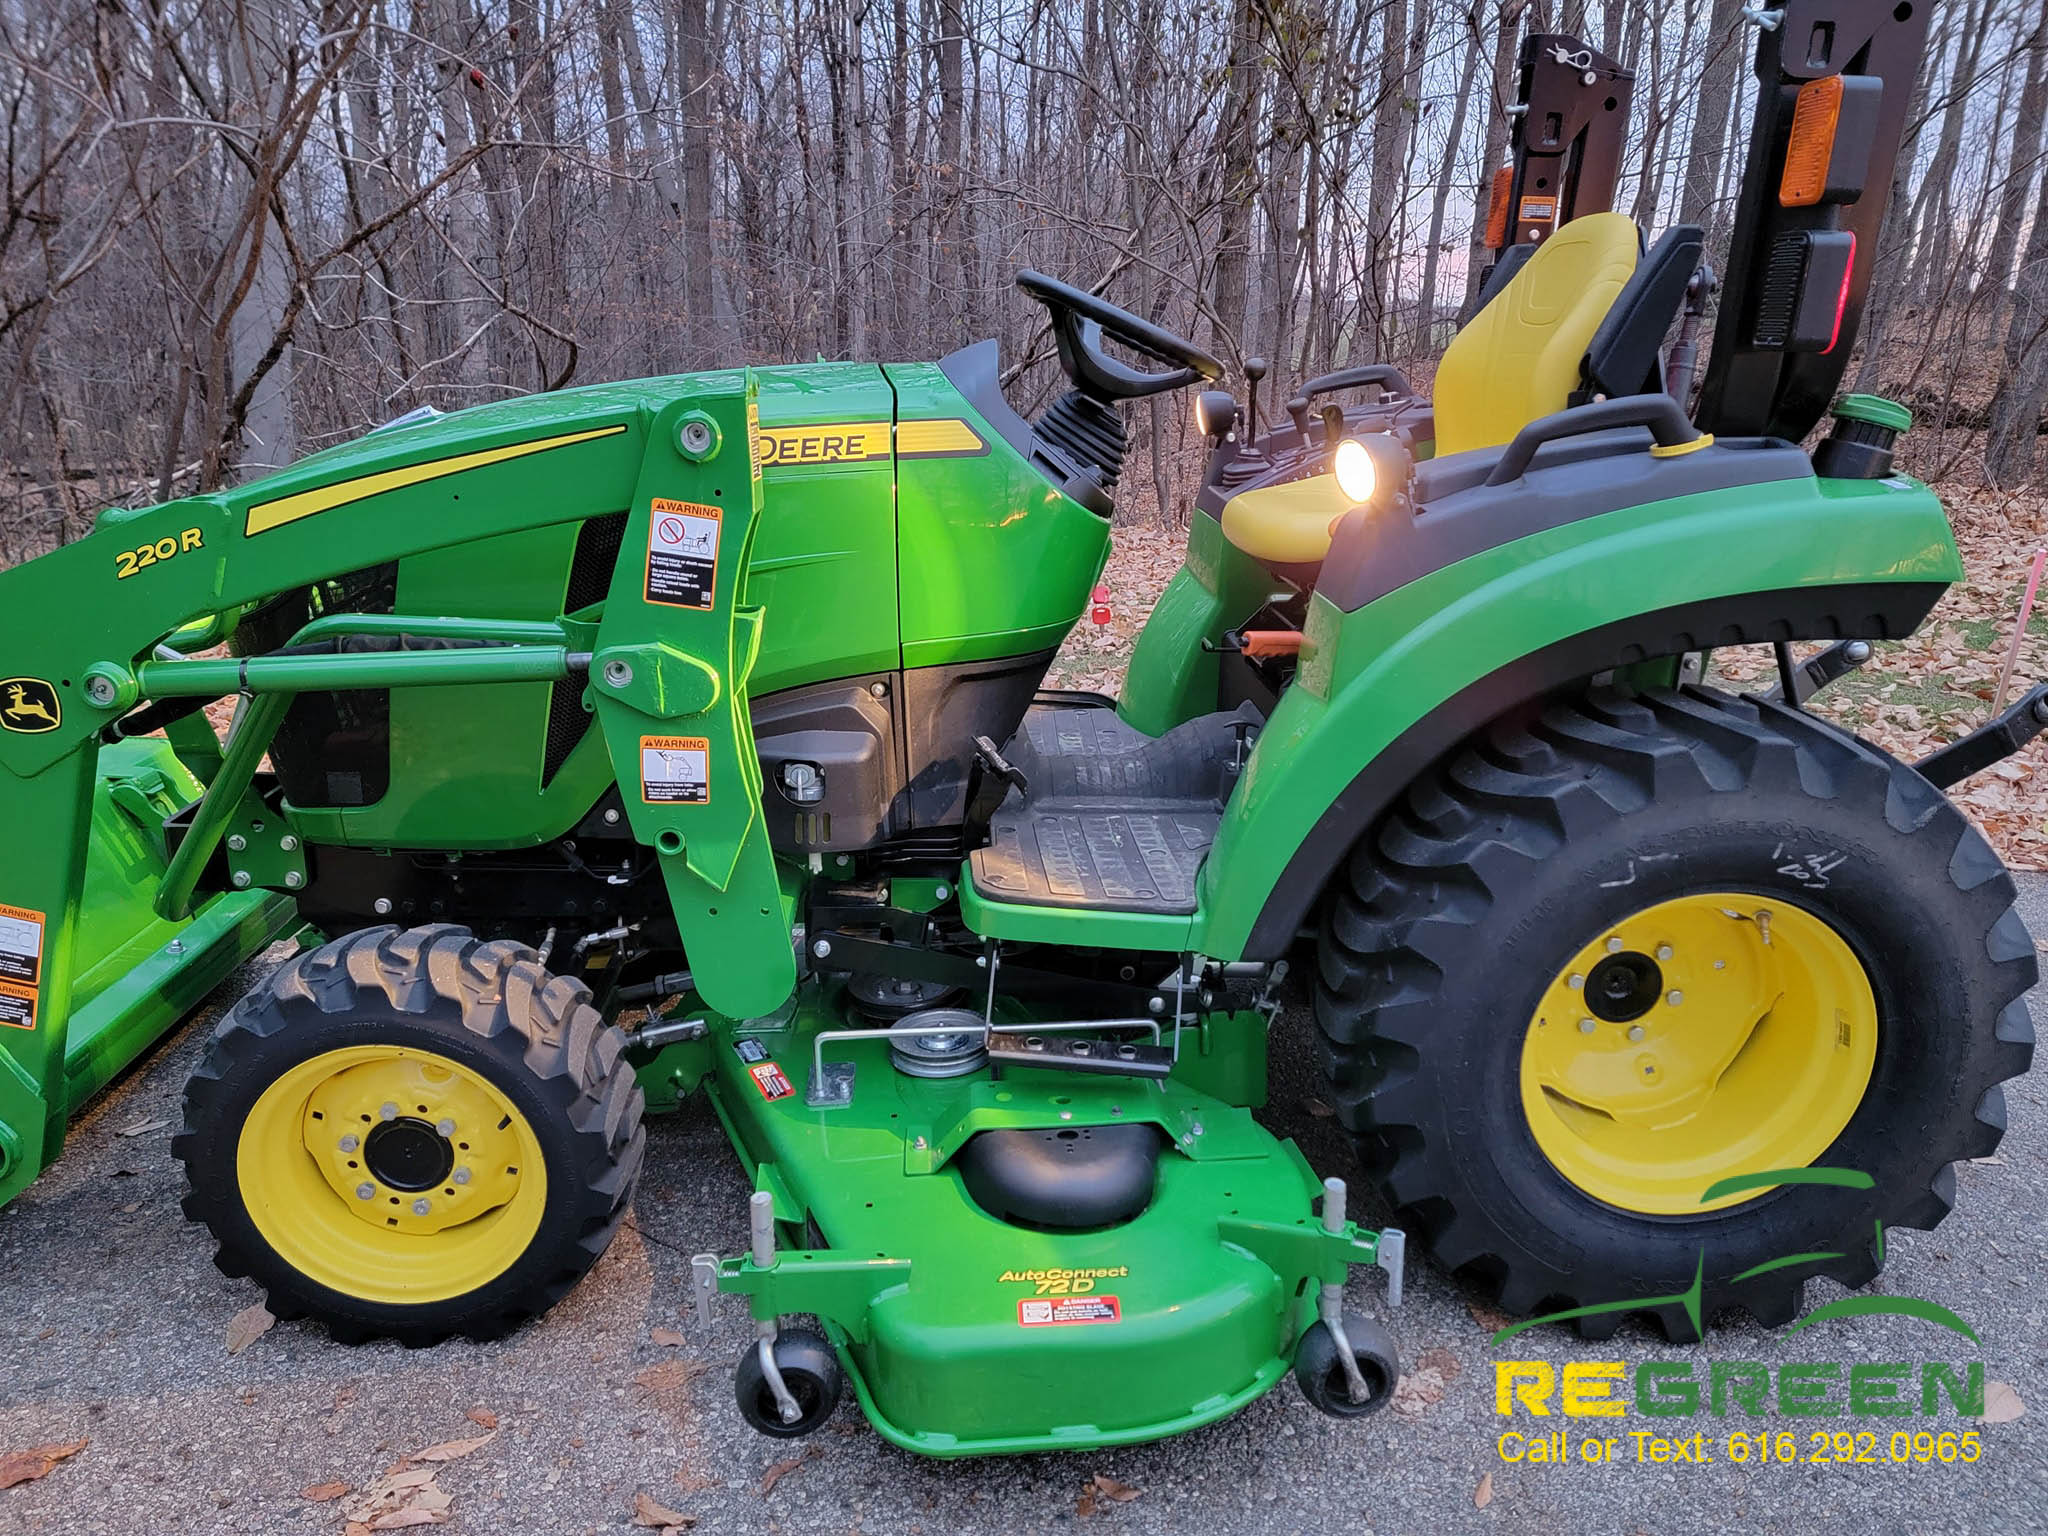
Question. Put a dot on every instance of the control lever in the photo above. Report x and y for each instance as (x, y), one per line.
(1254, 371)
(1298, 409)
(1258, 643)
(990, 778)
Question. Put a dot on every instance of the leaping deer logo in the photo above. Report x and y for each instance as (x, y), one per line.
(31, 705)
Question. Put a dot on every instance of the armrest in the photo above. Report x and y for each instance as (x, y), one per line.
(1664, 416)
(1388, 377)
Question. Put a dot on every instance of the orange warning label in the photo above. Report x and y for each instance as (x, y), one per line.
(1539, 210)
(17, 1006)
(1046, 1311)
(682, 553)
(773, 1082)
(21, 945)
(675, 770)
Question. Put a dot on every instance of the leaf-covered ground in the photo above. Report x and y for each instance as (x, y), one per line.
(1913, 695)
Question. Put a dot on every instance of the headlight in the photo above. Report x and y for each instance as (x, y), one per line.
(1215, 413)
(1357, 476)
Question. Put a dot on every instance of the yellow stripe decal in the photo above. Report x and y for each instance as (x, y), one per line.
(936, 439)
(266, 515)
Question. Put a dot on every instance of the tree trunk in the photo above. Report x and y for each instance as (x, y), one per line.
(1425, 330)
(1506, 40)
(1237, 176)
(1728, 42)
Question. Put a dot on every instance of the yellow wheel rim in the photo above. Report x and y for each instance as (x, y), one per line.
(1702, 1037)
(391, 1174)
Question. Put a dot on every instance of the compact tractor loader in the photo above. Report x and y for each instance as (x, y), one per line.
(689, 734)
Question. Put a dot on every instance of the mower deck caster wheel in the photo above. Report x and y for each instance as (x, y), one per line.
(810, 1371)
(1319, 1368)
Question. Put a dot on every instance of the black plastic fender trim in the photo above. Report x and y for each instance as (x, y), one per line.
(1887, 610)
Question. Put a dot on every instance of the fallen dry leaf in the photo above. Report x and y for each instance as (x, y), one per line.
(1483, 1494)
(405, 1496)
(2001, 1403)
(1440, 1360)
(29, 1465)
(1488, 1317)
(483, 1416)
(667, 1338)
(142, 1127)
(1418, 1391)
(694, 1482)
(452, 1450)
(777, 1473)
(322, 1493)
(1318, 1108)
(667, 1375)
(659, 1517)
(247, 1326)
(1110, 1488)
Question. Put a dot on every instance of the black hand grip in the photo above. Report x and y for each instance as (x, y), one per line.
(1664, 416)
(1388, 377)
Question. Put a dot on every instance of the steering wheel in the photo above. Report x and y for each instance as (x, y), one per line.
(1079, 322)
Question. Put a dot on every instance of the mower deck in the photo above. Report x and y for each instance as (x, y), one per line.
(967, 1334)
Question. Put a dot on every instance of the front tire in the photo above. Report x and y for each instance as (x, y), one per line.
(412, 1134)
(1457, 985)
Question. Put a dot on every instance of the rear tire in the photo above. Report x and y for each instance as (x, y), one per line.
(467, 1212)
(1447, 930)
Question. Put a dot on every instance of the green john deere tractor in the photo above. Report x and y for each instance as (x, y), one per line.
(689, 734)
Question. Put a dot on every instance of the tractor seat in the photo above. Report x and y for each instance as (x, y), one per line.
(1585, 315)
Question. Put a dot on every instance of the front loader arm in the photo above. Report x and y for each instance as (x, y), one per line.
(80, 627)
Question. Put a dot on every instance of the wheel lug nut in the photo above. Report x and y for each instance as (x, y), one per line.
(446, 1127)
(1614, 945)
(1586, 1026)
(1664, 951)
(422, 1207)
(388, 1111)
(350, 1143)
(1635, 1031)
(460, 1176)
(1575, 981)
(1675, 998)
(366, 1191)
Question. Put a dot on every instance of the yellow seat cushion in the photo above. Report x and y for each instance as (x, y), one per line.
(1286, 524)
(1519, 357)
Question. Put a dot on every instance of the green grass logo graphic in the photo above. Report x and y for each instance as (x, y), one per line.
(1847, 1306)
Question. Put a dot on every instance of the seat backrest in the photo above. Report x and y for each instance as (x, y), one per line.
(1625, 356)
(1520, 357)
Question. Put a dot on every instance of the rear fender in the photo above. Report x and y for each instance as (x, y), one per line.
(1386, 690)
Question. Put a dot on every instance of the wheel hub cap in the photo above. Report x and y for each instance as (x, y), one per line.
(391, 1173)
(1701, 1037)
(408, 1154)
